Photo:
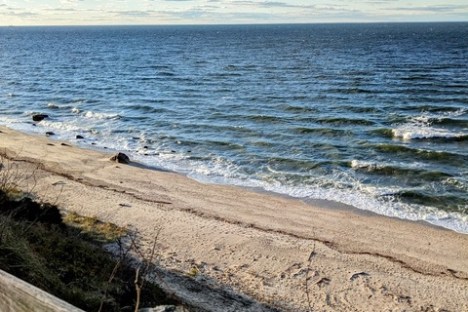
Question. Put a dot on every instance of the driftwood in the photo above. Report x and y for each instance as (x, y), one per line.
(18, 296)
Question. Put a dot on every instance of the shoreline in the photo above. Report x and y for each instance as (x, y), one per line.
(436, 218)
(257, 243)
(318, 203)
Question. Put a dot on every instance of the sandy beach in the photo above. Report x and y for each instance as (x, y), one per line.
(260, 245)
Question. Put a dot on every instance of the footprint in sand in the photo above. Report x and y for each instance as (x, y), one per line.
(358, 275)
(323, 282)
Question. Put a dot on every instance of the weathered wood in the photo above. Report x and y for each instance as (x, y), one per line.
(18, 296)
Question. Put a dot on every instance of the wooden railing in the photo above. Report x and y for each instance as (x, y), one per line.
(18, 296)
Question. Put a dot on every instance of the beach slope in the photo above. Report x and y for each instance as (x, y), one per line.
(277, 250)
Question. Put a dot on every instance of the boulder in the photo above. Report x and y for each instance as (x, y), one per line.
(39, 117)
(49, 133)
(79, 137)
(120, 158)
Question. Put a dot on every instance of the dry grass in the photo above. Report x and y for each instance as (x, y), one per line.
(95, 228)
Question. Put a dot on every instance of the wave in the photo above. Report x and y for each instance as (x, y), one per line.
(150, 107)
(408, 133)
(350, 91)
(225, 145)
(60, 125)
(345, 121)
(360, 109)
(166, 74)
(265, 118)
(298, 165)
(298, 109)
(446, 117)
(458, 183)
(420, 153)
(53, 106)
(383, 132)
(422, 127)
(397, 170)
(448, 122)
(446, 202)
(96, 115)
(418, 77)
(323, 131)
(434, 108)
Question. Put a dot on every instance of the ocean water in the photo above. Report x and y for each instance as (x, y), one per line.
(371, 115)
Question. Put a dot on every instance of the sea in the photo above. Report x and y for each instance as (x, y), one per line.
(369, 115)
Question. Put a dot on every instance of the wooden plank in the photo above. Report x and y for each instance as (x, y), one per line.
(18, 296)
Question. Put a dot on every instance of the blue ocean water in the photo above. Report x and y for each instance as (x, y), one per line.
(371, 115)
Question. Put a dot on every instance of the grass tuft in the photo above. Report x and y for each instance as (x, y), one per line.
(96, 229)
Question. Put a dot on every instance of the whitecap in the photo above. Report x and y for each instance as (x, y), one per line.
(420, 127)
(52, 105)
(59, 125)
(411, 132)
(360, 164)
(96, 115)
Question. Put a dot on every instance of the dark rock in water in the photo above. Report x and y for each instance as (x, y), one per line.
(145, 147)
(120, 158)
(49, 133)
(39, 117)
(79, 137)
(94, 143)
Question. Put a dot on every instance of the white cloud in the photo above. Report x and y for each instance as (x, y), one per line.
(225, 11)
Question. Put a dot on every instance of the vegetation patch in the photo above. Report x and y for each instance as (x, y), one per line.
(38, 246)
(104, 231)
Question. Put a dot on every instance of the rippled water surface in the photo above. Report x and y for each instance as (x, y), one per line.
(375, 116)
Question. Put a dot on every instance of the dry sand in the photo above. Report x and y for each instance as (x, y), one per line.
(254, 243)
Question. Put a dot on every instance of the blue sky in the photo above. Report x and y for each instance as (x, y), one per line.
(111, 12)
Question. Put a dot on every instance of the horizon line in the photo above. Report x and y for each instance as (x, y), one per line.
(242, 24)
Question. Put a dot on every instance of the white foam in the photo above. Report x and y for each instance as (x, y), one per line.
(59, 125)
(410, 132)
(370, 166)
(419, 127)
(340, 187)
(96, 115)
(52, 105)
(360, 164)
(370, 199)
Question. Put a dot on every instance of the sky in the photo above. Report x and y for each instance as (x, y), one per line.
(154, 12)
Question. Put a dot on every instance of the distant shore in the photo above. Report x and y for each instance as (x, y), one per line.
(262, 245)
